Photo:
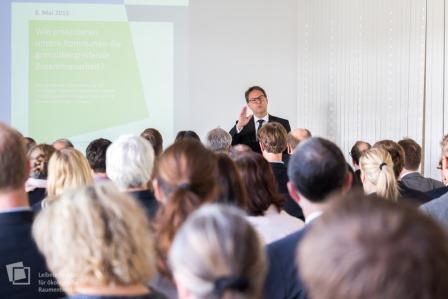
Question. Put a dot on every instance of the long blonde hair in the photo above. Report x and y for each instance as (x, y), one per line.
(67, 168)
(377, 166)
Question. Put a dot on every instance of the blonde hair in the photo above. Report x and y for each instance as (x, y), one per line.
(96, 236)
(218, 254)
(67, 168)
(377, 165)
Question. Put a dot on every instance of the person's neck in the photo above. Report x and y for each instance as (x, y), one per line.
(369, 187)
(11, 199)
(405, 171)
(309, 207)
(132, 290)
(271, 157)
(100, 174)
(261, 115)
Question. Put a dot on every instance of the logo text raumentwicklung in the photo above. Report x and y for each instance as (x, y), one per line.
(18, 274)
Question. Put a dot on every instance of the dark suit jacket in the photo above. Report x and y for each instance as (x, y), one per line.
(418, 182)
(281, 176)
(17, 246)
(412, 196)
(247, 135)
(283, 280)
(147, 199)
(436, 193)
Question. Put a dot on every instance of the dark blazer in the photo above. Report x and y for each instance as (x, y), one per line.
(283, 280)
(412, 196)
(247, 135)
(37, 195)
(418, 182)
(17, 247)
(147, 199)
(436, 193)
(281, 176)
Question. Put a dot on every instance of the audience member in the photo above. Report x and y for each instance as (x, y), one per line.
(409, 174)
(211, 270)
(397, 154)
(129, 164)
(358, 149)
(438, 208)
(29, 143)
(377, 174)
(265, 203)
(184, 180)
(272, 138)
(67, 169)
(181, 135)
(96, 155)
(239, 149)
(366, 248)
(246, 128)
(101, 246)
(62, 143)
(155, 138)
(22, 265)
(316, 170)
(36, 185)
(295, 137)
(219, 140)
(231, 186)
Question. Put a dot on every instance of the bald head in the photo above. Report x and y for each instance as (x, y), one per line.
(295, 137)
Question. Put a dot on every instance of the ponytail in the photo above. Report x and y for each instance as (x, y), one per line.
(386, 185)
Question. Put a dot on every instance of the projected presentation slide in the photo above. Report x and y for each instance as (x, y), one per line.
(83, 70)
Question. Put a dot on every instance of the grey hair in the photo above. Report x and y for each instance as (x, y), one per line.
(130, 161)
(218, 140)
(219, 243)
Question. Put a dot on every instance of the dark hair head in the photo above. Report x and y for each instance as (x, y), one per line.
(155, 138)
(317, 168)
(356, 152)
(273, 137)
(231, 187)
(412, 153)
(12, 159)
(181, 135)
(96, 154)
(252, 88)
(396, 152)
(260, 183)
(388, 250)
(185, 173)
(29, 143)
(39, 156)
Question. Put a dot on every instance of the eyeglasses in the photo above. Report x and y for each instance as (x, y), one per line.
(439, 167)
(259, 99)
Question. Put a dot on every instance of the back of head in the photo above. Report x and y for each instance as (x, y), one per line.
(272, 136)
(412, 153)
(219, 140)
(67, 168)
(225, 255)
(39, 157)
(369, 248)
(396, 152)
(130, 162)
(231, 187)
(377, 166)
(260, 183)
(444, 145)
(96, 236)
(155, 138)
(359, 148)
(185, 174)
(296, 136)
(29, 143)
(317, 168)
(13, 162)
(239, 149)
(96, 154)
(181, 135)
(62, 143)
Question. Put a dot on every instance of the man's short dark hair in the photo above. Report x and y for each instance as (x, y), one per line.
(273, 137)
(368, 247)
(182, 135)
(412, 153)
(96, 154)
(155, 138)
(252, 88)
(356, 153)
(317, 168)
(396, 152)
(12, 159)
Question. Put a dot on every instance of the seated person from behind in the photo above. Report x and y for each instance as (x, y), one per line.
(36, 185)
(219, 140)
(96, 155)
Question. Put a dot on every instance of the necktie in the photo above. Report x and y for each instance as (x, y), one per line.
(260, 124)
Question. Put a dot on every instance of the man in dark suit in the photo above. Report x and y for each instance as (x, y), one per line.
(247, 126)
(317, 169)
(358, 149)
(23, 273)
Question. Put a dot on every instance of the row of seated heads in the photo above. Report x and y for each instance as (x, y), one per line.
(224, 253)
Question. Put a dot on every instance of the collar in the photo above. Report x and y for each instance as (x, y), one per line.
(312, 216)
(265, 118)
(18, 209)
(407, 173)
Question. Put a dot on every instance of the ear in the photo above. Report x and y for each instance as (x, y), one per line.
(261, 146)
(445, 168)
(289, 149)
(293, 192)
(363, 177)
(347, 182)
(27, 170)
(158, 193)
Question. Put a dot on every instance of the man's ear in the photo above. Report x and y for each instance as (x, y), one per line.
(289, 149)
(158, 193)
(293, 192)
(261, 146)
(363, 176)
(347, 182)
